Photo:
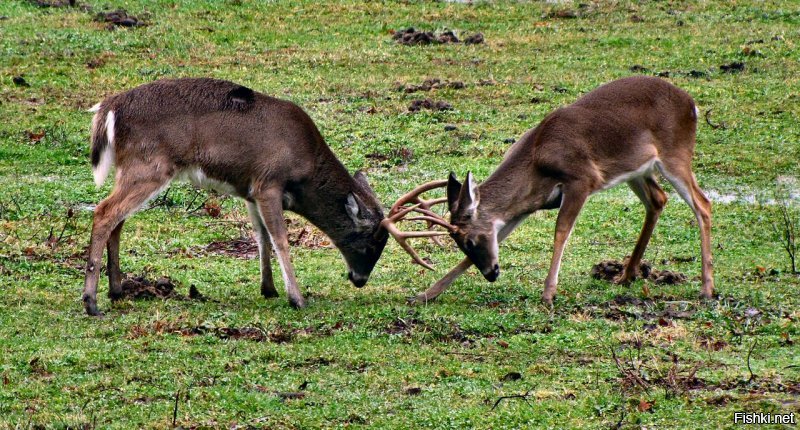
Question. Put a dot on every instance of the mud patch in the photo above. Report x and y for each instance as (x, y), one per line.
(141, 288)
(430, 84)
(411, 36)
(119, 18)
(608, 270)
(436, 106)
(245, 248)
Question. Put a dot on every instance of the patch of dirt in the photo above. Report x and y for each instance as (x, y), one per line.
(418, 105)
(411, 36)
(395, 157)
(734, 67)
(119, 18)
(402, 326)
(245, 248)
(608, 270)
(141, 288)
(54, 3)
(306, 235)
(300, 234)
(430, 84)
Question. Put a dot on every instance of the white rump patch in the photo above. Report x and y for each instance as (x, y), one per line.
(107, 156)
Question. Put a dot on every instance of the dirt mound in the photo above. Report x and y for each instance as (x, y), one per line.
(411, 36)
(418, 105)
(141, 288)
(119, 18)
(608, 270)
(430, 84)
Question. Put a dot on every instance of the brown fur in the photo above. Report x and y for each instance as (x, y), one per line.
(267, 150)
(576, 151)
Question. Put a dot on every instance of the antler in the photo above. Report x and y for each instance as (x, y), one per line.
(421, 206)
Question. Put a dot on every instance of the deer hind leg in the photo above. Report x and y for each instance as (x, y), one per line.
(572, 203)
(262, 236)
(654, 199)
(128, 195)
(114, 272)
(682, 178)
(270, 207)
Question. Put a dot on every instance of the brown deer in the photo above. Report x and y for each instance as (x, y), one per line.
(624, 131)
(223, 135)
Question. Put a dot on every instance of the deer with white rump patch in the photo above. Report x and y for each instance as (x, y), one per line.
(624, 131)
(220, 134)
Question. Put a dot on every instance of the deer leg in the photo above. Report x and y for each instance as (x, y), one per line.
(442, 284)
(262, 236)
(114, 272)
(271, 209)
(438, 288)
(571, 204)
(124, 200)
(685, 184)
(654, 199)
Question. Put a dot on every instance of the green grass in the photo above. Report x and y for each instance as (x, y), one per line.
(362, 350)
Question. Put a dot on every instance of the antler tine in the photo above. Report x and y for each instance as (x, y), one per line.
(399, 211)
(413, 195)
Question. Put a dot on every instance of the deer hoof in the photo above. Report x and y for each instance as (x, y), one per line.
(419, 300)
(297, 303)
(623, 279)
(269, 293)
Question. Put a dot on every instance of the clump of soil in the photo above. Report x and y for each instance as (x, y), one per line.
(54, 3)
(430, 84)
(411, 36)
(608, 270)
(418, 105)
(735, 67)
(139, 287)
(119, 18)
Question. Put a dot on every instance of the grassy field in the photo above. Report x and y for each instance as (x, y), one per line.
(483, 355)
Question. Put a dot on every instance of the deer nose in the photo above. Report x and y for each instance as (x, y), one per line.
(357, 280)
(493, 274)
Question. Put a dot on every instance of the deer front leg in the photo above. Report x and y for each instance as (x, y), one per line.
(438, 288)
(114, 272)
(271, 210)
(570, 208)
(262, 236)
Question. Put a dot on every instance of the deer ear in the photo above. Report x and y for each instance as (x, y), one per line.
(469, 197)
(453, 190)
(352, 207)
(361, 178)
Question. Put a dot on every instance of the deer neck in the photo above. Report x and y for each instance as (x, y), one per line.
(515, 190)
(321, 199)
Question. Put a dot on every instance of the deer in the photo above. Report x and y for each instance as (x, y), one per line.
(225, 136)
(625, 131)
